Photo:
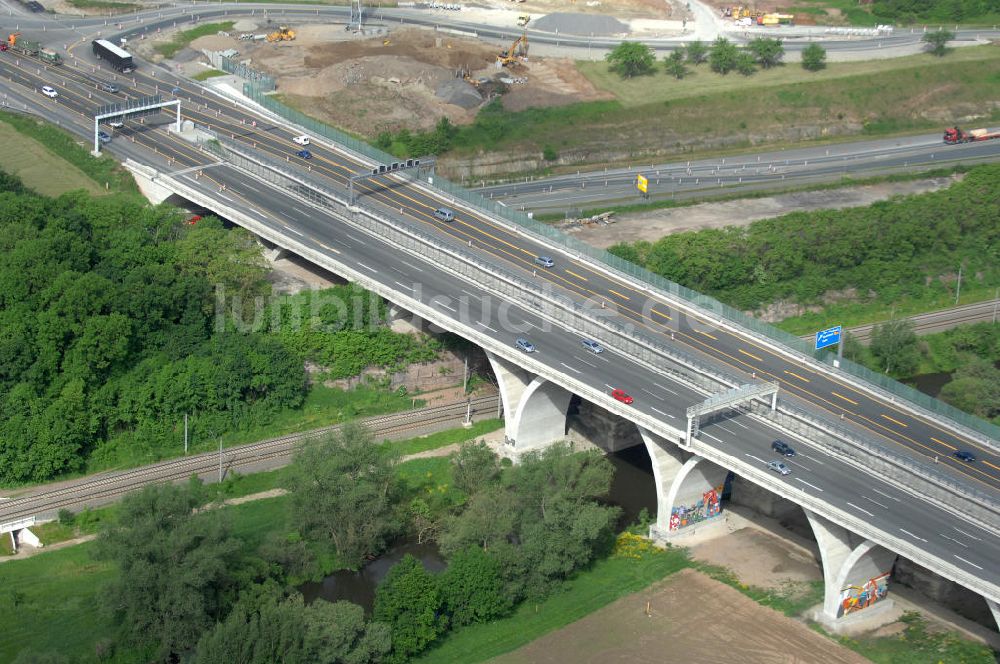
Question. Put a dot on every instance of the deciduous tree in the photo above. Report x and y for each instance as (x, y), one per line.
(630, 59)
(175, 568)
(723, 56)
(341, 492)
(813, 57)
(674, 64)
(767, 51)
(894, 345)
(937, 41)
(697, 52)
(409, 600)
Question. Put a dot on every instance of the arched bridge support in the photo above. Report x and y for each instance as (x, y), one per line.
(535, 409)
(856, 575)
(688, 488)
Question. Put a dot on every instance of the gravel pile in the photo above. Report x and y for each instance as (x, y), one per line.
(569, 23)
(458, 92)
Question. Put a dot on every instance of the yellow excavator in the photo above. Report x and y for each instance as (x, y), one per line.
(518, 51)
(281, 34)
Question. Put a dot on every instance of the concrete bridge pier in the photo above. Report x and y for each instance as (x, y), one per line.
(535, 409)
(856, 575)
(688, 489)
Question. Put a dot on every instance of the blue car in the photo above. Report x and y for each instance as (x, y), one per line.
(965, 455)
(305, 154)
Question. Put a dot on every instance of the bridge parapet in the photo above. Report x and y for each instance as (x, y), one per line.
(836, 515)
(595, 322)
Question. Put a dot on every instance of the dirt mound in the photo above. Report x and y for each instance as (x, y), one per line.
(406, 79)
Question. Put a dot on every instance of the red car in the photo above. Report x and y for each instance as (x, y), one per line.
(194, 220)
(620, 395)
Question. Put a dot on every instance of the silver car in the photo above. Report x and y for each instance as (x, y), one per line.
(544, 261)
(592, 346)
(779, 467)
(525, 345)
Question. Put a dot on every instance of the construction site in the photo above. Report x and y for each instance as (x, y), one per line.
(387, 80)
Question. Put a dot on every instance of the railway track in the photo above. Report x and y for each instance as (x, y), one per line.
(106, 487)
(936, 321)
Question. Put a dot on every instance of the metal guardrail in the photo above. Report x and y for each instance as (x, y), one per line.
(837, 515)
(590, 322)
(708, 306)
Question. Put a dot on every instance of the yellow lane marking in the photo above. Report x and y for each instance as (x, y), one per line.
(941, 442)
(624, 297)
(707, 335)
(328, 247)
(841, 396)
(792, 373)
(893, 420)
(578, 276)
(991, 465)
(626, 286)
(660, 313)
(751, 355)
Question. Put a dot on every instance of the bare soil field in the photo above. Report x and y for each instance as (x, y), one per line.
(408, 78)
(692, 618)
(654, 224)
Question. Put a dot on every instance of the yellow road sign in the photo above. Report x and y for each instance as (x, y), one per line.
(641, 183)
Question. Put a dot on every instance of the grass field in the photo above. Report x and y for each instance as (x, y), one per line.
(104, 171)
(707, 113)
(109, 6)
(185, 37)
(207, 74)
(39, 168)
(868, 80)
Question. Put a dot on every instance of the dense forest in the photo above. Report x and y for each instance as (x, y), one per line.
(888, 250)
(109, 332)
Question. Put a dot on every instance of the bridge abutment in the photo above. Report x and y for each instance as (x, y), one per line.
(144, 179)
(535, 409)
(856, 575)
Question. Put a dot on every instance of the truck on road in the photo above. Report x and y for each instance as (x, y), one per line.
(954, 135)
(116, 56)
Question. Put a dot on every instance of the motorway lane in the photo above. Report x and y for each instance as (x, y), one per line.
(577, 279)
(814, 472)
(757, 171)
(652, 394)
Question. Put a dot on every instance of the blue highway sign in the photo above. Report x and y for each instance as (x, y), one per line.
(829, 337)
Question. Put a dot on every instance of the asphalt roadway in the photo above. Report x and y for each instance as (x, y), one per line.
(736, 174)
(928, 526)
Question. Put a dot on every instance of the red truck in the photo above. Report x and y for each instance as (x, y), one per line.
(956, 135)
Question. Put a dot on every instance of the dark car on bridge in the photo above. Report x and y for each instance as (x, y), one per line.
(305, 154)
(965, 455)
(783, 448)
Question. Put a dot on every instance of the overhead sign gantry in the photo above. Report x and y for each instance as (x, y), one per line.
(139, 107)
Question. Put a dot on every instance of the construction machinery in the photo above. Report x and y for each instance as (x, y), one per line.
(26, 47)
(954, 135)
(281, 34)
(518, 51)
